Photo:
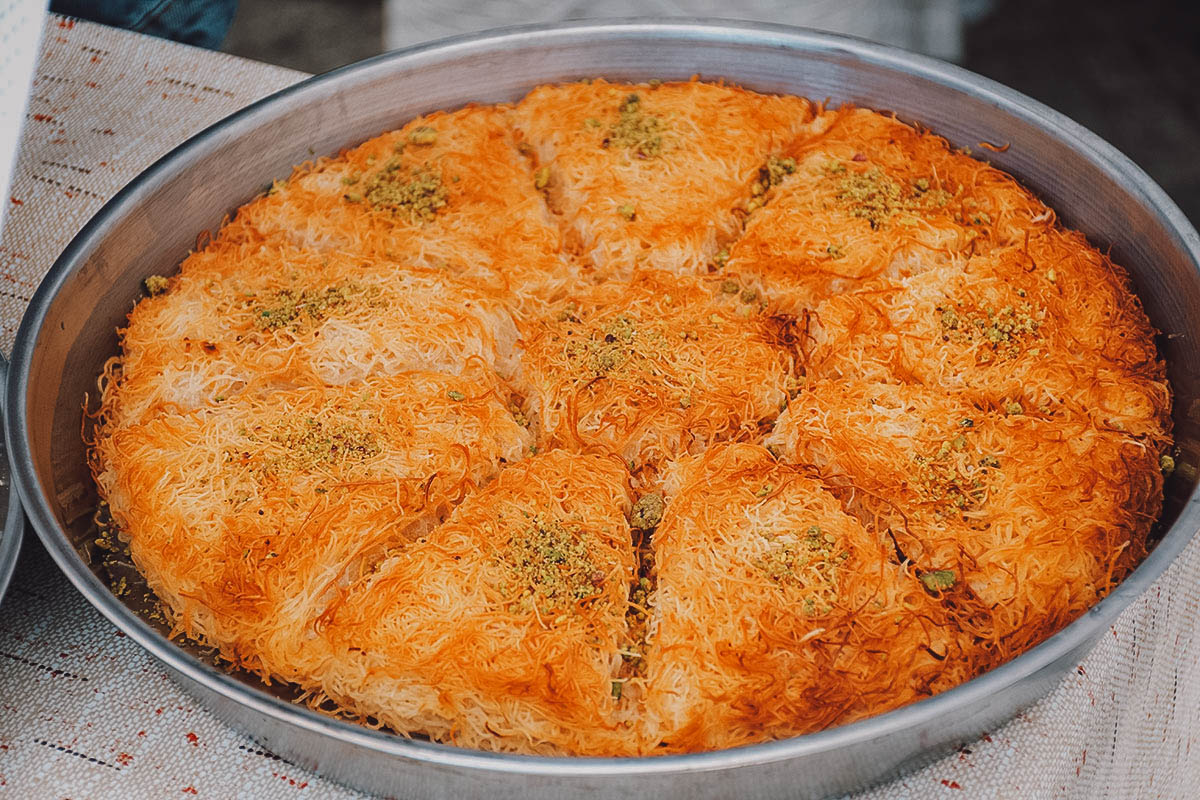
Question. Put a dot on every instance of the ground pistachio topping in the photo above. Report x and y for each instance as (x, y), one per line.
(155, 284)
(807, 558)
(777, 169)
(1004, 332)
(423, 135)
(417, 193)
(298, 307)
(647, 512)
(877, 197)
(614, 345)
(947, 479)
(938, 580)
(550, 566)
(638, 132)
(312, 443)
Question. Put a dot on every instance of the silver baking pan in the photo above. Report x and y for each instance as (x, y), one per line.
(70, 327)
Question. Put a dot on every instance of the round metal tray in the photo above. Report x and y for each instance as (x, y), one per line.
(70, 330)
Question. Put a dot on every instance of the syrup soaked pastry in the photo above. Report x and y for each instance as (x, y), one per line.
(1030, 517)
(657, 176)
(653, 367)
(450, 191)
(633, 419)
(249, 518)
(502, 629)
(275, 317)
(776, 613)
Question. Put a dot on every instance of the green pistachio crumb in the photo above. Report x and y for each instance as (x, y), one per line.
(627, 211)
(647, 512)
(938, 580)
(877, 197)
(551, 560)
(1167, 465)
(730, 287)
(777, 169)
(423, 135)
(1014, 408)
(456, 395)
(155, 284)
(640, 133)
(417, 192)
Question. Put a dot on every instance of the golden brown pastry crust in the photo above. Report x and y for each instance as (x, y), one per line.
(634, 419)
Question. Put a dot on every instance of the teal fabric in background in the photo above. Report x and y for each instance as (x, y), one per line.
(203, 23)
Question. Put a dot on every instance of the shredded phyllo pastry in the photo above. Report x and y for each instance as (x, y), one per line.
(633, 419)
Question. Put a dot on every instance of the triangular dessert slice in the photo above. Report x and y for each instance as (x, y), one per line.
(654, 175)
(661, 365)
(249, 519)
(775, 613)
(1029, 518)
(275, 317)
(451, 190)
(871, 198)
(503, 628)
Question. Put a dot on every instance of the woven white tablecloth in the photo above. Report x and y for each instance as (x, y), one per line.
(85, 713)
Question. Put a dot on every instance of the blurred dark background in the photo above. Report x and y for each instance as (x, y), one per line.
(1130, 71)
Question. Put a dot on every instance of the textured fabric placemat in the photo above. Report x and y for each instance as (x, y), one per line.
(85, 713)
